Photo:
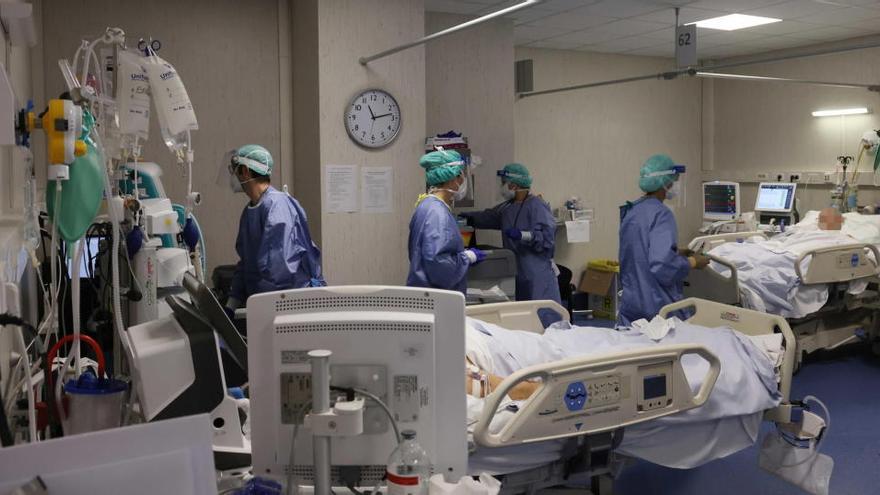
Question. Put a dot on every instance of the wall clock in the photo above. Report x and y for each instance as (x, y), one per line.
(372, 119)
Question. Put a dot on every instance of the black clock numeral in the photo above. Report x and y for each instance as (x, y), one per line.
(356, 127)
(390, 107)
(383, 135)
(373, 97)
(364, 100)
(357, 108)
(389, 127)
(363, 133)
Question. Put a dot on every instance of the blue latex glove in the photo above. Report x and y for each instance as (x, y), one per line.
(514, 234)
(229, 312)
(478, 253)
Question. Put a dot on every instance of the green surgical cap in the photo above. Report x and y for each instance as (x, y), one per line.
(656, 163)
(517, 173)
(441, 166)
(254, 157)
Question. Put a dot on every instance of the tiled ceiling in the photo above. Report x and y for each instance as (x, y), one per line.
(647, 27)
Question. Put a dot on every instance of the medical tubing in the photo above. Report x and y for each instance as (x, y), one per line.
(6, 439)
(821, 440)
(114, 256)
(32, 407)
(201, 245)
(75, 299)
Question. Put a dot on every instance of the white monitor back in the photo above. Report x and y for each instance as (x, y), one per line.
(721, 201)
(404, 344)
(172, 456)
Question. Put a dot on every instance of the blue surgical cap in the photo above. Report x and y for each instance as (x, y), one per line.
(652, 177)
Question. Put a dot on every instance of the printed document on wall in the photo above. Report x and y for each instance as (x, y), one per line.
(578, 231)
(377, 184)
(341, 188)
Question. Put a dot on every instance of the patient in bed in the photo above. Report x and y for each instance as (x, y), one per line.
(728, 422)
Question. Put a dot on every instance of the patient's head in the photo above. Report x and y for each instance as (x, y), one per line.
(830, 219)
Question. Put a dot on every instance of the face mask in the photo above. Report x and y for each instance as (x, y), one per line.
(506, 192)
(234, 184)
(674, 190)
(461, 192)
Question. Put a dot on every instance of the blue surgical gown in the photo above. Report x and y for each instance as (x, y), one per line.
(274, 247)
(651, 270)
(535, 274)
(436, 250)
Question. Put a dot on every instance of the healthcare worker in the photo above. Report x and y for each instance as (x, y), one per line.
(528, 229)
(652, 269)
(437, 257)
(274, 246)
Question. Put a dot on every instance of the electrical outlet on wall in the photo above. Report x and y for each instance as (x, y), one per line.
(828, 177)
(796, 177)
(763, 176)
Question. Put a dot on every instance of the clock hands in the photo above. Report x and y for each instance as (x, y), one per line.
(371, 112)
(380, 116)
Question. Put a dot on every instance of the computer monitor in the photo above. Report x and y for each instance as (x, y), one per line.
(721, 201)
(403, 344)
(775, 197)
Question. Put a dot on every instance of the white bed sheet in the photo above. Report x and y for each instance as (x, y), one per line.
(726, 423)
(766, 275)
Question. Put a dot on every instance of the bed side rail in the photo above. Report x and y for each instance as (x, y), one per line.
(711, 285)
(595, 394)
(520, 315)
(749, 322)
(839, 263)
(705, 243)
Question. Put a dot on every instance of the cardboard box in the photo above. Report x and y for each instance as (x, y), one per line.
(601, 282)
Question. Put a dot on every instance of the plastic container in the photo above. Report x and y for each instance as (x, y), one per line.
(409, 468)
(94, 404)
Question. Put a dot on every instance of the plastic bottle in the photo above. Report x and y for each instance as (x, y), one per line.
(409, 468)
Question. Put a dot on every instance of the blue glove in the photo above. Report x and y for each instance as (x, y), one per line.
(514, 234)
(229, 312)
(475, 255)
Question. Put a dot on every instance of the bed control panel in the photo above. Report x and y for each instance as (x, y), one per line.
(597, 394)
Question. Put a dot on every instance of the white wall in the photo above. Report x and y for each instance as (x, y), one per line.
(591, 143)
(767, 127)
(469, 88)
(363, 248)
(227, 53)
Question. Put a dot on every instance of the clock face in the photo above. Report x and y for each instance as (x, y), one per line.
(372, 119)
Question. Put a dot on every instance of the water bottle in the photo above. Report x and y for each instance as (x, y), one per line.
(409, 467)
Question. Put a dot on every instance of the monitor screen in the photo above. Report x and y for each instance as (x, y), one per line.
(775, 197)
(719, 198)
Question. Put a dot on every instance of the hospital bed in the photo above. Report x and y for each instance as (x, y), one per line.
(844, 318)
(589, 453)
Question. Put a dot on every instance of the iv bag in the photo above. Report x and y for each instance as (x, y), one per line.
(173, 106)
(133, 96)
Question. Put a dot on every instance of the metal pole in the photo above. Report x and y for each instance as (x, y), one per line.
(320, 362)
(744, 77)
(660, 75)
(453, 29)
(872, 42)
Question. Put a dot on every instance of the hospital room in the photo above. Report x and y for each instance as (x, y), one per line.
(277, 247)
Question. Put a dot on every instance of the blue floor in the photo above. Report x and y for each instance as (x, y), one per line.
(848, 382)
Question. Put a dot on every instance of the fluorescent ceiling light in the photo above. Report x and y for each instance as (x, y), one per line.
(733, 22)
(840, 111)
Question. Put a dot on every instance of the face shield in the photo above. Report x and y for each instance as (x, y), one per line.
(226, 173)
(676, 191)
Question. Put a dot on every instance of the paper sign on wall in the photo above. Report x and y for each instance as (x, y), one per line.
(577, 231)
(341, 187)
(377, 184)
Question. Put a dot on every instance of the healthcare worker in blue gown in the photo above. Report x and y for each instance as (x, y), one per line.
(652, 268)
(528, 229)
(274, 246)
(437, 256)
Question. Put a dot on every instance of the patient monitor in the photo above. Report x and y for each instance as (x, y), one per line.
(720, 201)
(404, 345)
(775, 203)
